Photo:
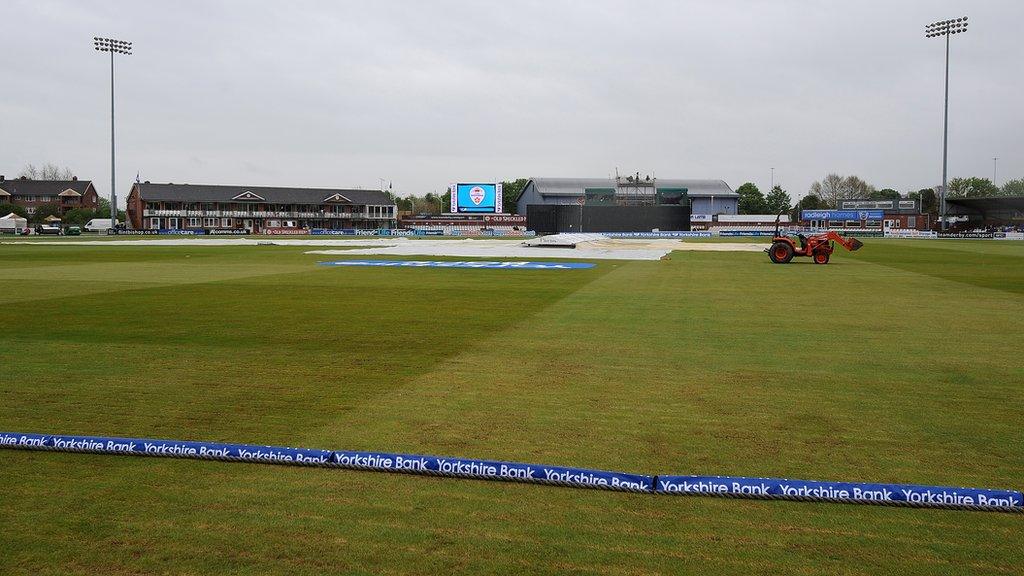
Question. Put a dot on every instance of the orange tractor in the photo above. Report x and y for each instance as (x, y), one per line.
(819, 246)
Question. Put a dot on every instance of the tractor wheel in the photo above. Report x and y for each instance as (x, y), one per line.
(780, 252)
(821, 257)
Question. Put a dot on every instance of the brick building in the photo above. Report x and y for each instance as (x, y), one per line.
(257, 209)
(904, 213)
(65, 194)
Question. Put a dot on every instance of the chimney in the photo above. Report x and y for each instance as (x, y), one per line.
(74, 178)
(1, 177)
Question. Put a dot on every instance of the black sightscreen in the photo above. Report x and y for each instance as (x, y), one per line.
(554, 218)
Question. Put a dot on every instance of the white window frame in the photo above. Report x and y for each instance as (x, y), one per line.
(172, 223)
(193, 222)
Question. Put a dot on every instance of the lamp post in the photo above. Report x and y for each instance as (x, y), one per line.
(945, 28)
(114, 47)
(994, 160)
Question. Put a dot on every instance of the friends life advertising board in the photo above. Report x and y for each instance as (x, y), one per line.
(476, 197)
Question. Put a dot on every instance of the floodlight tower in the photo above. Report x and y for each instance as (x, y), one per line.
(114, 47)
(945, 28)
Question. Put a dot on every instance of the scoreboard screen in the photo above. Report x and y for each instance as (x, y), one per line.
(476, 197)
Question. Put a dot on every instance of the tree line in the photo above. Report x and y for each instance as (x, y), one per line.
(830, 190)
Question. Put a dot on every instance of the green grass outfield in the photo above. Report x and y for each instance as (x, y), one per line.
(900, 363)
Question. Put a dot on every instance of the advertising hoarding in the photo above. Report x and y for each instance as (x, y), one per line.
(842, 215)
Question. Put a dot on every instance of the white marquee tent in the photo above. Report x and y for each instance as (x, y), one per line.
(12, 222)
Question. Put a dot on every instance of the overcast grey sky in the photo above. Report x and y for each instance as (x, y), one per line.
(339, 94)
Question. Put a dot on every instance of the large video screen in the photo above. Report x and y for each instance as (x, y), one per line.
(476, 197)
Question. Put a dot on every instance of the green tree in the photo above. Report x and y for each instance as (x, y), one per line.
(404, 203)
(78, 216)
(809, 202)
(431, 204)
(42, 212)
(929, 200)
(419, 204)
(884, 194)
(1014, 187)
(6, 209)
(510, 190)
(972, 187)
(103, 211)
(833, 188)
(751, 200)
(777, 201)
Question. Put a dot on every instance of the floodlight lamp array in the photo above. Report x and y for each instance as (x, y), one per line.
(946, 27)
(112, 45)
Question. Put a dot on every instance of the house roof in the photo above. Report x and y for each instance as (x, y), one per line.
(258, 194)
(24, 187)
(577, 186)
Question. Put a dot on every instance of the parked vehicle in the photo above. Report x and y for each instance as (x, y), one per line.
(73, 231)
(100, 225)
(48, 229)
